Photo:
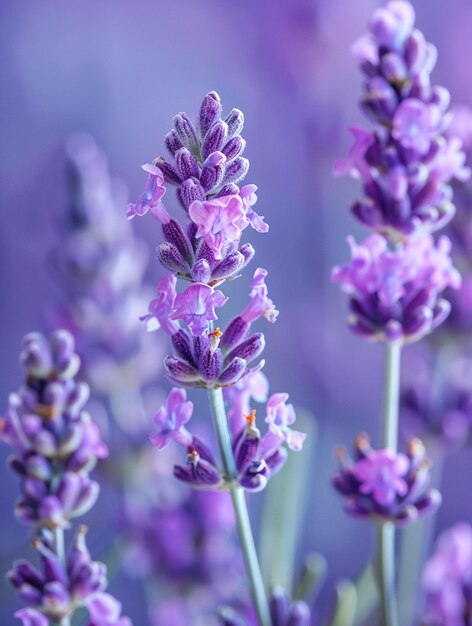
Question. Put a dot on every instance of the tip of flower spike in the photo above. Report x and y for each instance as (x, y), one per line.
(251, 418)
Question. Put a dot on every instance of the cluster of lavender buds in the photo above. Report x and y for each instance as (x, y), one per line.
(206, 167)
(55, 446)
(397, 275)
(407, 161)
(386, 486)
(256, 457)
(447, 579)
(100, 266)
(395, 292)
(283, 612)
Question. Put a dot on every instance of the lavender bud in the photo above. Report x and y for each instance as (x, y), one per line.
(187, 165)
(215, 139)
(235, 333)
(210, 111)
(248, 349)
(234, 148)
(170, 173)
(171, 258)
(175, 235)
(228, 266)
(173, 142)
(184, 127)
(235, 122)
(201, 271)
(233, 372)
(236, 170)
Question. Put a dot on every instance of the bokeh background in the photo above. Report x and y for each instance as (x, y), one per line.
(120, 70)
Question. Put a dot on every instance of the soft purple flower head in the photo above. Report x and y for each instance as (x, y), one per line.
(447, 578)
(56, 590)
(55, 443)
(161, 307)
(280, 416)
(395, 291)
(386, 486)
(406, 162)
(196, 307)
(150, 199)
(220, 221)
(260, 304)
(171, 418)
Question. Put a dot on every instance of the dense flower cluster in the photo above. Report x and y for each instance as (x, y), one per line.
(100, 267)
(257, 457)
(396, 292)
(207, 165)
(384, 485)
(56, 445)
(56, 590)
(447, 579)
(406, 162)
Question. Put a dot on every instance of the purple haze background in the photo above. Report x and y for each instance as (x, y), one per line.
(120, 71)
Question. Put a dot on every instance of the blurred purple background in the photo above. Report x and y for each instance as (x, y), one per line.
(120, 71)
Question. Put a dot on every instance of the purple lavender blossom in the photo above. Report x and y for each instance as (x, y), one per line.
(406, 162)
(150, 199)
(196, 307)
(220, 221)
(203, 358)
(55, 442)
(257, 457)
(447, 579)
(171, 419)
(56, 591)
(252, 386)
(386, 486)
(395, 292)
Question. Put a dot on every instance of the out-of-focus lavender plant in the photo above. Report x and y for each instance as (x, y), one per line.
(180, 542)
(100, 266)
(206, 165)
(397, 275)
(55, 445)
(447, 579)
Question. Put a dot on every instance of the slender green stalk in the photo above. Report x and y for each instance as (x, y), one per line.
(385, 558)
(61, 555)
(240, 508)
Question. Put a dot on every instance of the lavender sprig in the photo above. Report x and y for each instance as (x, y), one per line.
(396, 277)
(206, 167)
(55, 446)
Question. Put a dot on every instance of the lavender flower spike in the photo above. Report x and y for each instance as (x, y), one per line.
(55, 442)
(55, 446)
(407, 161)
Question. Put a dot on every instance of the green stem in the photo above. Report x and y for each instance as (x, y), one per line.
(61, 555)
(240, 508)
(385, 559)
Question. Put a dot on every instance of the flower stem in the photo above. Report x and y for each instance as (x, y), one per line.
(61, 555)
(386, 530)
(240, 507)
